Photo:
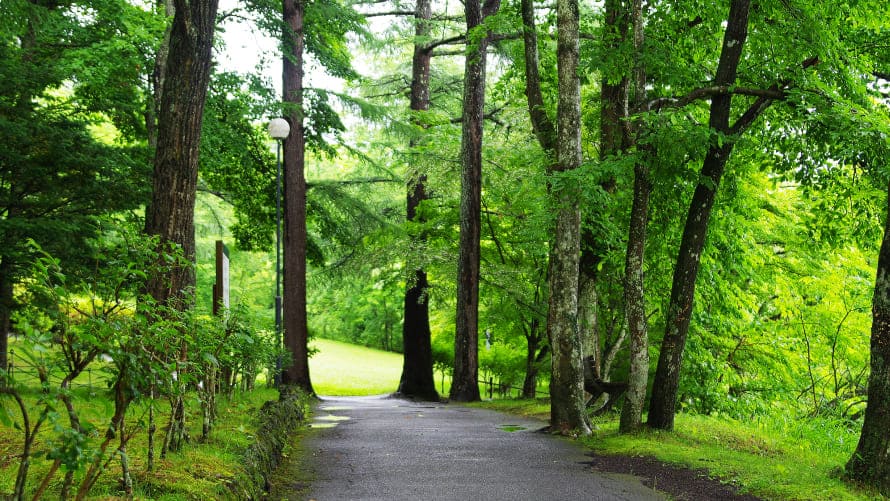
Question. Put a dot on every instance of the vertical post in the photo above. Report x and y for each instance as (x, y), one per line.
(278, 265)
(279, 129)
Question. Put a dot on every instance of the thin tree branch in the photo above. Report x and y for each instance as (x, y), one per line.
(347, 182)
(445, 41)
(716, 90)
(491, 115)
(762, 103)
(389, 13)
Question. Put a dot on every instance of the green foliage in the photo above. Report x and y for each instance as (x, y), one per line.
(505, 363)
(74, 326)
(235, 157)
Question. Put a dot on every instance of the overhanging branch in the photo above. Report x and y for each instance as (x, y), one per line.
(716, 90)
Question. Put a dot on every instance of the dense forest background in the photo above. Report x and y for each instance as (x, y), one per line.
(691, 196)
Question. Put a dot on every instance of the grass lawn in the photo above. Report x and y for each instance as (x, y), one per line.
(339, 369)
(770, 457)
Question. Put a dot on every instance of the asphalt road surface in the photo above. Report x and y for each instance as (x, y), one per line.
(381, 448)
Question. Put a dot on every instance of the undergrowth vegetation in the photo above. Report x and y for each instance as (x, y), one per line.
(204, 469)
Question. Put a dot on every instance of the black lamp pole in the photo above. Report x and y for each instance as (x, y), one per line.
(278, 129)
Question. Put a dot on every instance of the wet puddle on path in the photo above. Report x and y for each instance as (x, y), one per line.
(510, 428)
(327, 421)
(335, 407)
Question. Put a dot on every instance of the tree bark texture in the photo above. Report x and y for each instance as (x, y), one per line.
(870, 463)
(417, 369)
(567, 409)
(465, 381)
(665, 386)
(296, 329)
(171, 212)
(634, 290)
(614, 107)
(541, 123)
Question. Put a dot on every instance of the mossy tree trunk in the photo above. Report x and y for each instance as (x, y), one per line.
(870, 463)
(171, 214)
(634, 290)
(567, 409)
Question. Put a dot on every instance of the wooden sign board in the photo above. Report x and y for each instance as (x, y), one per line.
(221, 287)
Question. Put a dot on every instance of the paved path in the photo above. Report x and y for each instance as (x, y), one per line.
(381, 448)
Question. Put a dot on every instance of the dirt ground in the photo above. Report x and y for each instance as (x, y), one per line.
(678, 483)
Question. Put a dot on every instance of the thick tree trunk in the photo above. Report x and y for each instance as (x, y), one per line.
(172, 209)
(665, 386)
(634, 291)
(296, 329)
(870, 463)
(567, 409)
(417, 369)
(171, 213)
(465, 384)
(635, 303)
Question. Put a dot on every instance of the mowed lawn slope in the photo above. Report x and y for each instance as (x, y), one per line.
(339, 369)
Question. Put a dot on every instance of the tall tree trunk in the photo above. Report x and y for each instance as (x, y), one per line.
(296, 329)
(465, 381)
(667, 376)
(634, 291)
(870, 464)
(417, 369)
(545, 131)
(567, 410)
(171, 212)
(613, 139)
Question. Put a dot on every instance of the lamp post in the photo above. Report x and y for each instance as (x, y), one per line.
(279, 129)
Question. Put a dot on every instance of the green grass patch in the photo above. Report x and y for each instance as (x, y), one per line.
(538, 408)
(339, 369)
(200, 471)
(774, 458)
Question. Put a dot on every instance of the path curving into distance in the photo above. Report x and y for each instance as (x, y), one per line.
(376, 448)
